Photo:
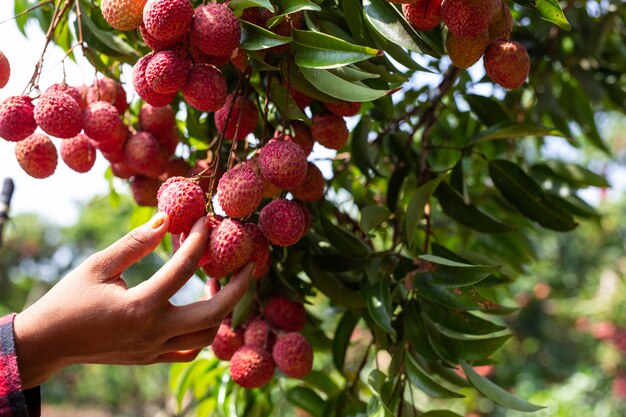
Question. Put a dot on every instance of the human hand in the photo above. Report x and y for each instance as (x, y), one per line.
(91, 316)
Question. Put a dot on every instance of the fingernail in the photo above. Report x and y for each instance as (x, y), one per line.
(157, 220)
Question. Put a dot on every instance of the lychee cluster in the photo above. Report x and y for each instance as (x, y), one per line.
(265, 342)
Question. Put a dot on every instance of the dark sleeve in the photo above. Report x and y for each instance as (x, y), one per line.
(14, 402)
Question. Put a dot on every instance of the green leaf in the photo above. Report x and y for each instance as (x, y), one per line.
(452, 274)
(440, 413)
(463, 298)
(292, 6)
(472, 349)
(296, 80)
(238, 6)
(488, 110)
(333, 288)
(322, 381)
(389, 22)
(335, 262)
(373, 216)
(417, 203)
(526, 195)
(415, 332)
(106, 42)
(575, 174)
(421, 381)
(495, 393)
(395, 186)
(344, 241)
(549, 10)
(337, 87)
(140, 216)
(352, 73)
(468, 215)
(319, 50)
(341, 339)
(256, 38)
(285, 103)
(458, 321)
(307, 399)
(508, 130)
(378, 299)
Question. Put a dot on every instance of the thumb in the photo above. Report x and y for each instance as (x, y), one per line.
(137, 244)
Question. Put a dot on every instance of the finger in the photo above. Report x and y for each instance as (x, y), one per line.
(177, 271)
(210, 313)
(182, 356)
(138, 243)
(195, 340)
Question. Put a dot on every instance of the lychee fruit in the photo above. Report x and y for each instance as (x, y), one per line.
(155, 44)
(307, 216)
(242, 121)
(230, 246)
(302, 100)
(215, 30)
(109, 90)
(167, 72)
(123, 14)
(112, 147)
(121, 170)
(227, 341)
(37, 155)
(78, 153)
(302, 136)
(100, 120)
(176, 167)
(507, 63)
(168, 20)
(183, 200)
(293, 355)
(344, 108)
(59, 115)
(330, 130)
(283, 163)
(467, 18)
(285, 314)
(240, 191)
(157, 120)
(260, 251)
(143, 154)
(423, 14)
(269, 189)
(282, 222)
(258, 333)
(169, 141)
(205, 88)
(501, 23)
(465, 52)
(17, 120)
(5, 70)
(142, 87)
(145, 190)
(251, 367)
(312, 188)
(67, 89)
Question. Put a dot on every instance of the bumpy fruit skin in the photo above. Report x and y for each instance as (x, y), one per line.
(293, 355)
(183, 201)
(230, 246)
(72, 91)
(260, 251)
(330, 130)
(423, 14)
(100, 120)
(205, 88)
(112, 147)
(243, 118)
(155, 44)
(215, 30)
(78, 153)
(37, 155)
(107, 89)
(284, 314)
(168, 20)
(17, 120)
(5, 70)
(507, 63)
(259, 334)
(143, 154)
(58, 114)
(145, 190)
(167, 72)
(465, 52)
(282, 222)
(283, 163)
(227, 341)
(240, 191)
(302, 136)
(312, 188)
(251, 367)
(123, 14)
(142, 87)
(344, 108)
(501, 23)
(467, 18)
(157, 120)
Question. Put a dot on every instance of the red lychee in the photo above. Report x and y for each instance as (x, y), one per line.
(142, 87)
(206, 261)
(240, 191)
(260, 251)
(307, 216)
(67, 89)
(312, 188)
(157, 120)
(143, 154)
(167, 72)
(100, 120)
(344, 108)
(230, 246)
(112, 147)
(183, 200)
(109, 90)
(155, 44)
(58, 114)
(293, 355)
(177, 167)
(302, 136)
(242, 121)
(251, 367)
(17, 120)
(330, 130)
(121, 170)
(467, 18)
(259, 334)
(123, 14)
(423, 14)
(507, 63)
(465, 52)
(284, 314)
(227, 341)
(37, 155)
(282, 222)
(169, 141)
(302, 100)
(78, 153)
(205, 88)
(501, 23)
(5, 70)
(145, 190)
(168, 20)
(215, 30)
(283, 163)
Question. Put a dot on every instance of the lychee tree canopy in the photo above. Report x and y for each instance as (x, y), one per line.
(431, 209)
